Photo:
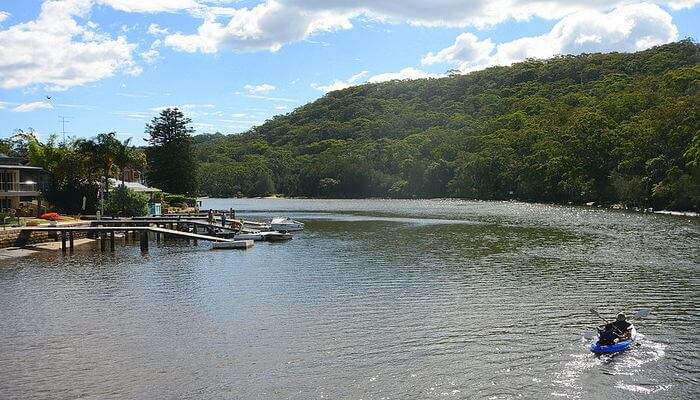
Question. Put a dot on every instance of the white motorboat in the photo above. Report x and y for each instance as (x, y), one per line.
(268, 236)
(249, 236)
(276, 236)
(284, 224)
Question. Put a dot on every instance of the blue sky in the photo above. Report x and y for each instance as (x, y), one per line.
(111, 65)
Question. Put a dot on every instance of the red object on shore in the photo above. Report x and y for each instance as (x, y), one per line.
(52, 216)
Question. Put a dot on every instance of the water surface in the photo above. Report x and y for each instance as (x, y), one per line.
(375, 299)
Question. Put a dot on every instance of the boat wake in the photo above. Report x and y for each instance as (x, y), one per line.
(585, 370)
(628, 363)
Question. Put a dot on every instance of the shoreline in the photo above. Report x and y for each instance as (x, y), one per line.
(610, 207)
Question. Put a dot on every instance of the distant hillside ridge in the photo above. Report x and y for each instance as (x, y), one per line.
(609, 128)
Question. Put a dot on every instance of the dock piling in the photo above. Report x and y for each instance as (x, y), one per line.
(70, 241)
(111, 241)
(63, 242)
(144, 241)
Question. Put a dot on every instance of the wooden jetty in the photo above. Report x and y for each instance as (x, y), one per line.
(191, 224)
(109, 232)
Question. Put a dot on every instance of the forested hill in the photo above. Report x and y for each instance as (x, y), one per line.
(598, 127)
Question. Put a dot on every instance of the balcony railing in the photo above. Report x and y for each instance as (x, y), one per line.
(18, 187)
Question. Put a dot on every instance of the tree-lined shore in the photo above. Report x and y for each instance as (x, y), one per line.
(79, 170)
(605, 128)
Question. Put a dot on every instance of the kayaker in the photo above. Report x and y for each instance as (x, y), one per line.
(615, 331)
(621, 323)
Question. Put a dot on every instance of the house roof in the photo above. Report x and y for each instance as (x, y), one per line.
(135, 186)
(9, 166)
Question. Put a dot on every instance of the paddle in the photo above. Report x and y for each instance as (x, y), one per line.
(597, 314)
(641, 313)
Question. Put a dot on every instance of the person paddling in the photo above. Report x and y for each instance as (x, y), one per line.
(617, 330)
(621, 323)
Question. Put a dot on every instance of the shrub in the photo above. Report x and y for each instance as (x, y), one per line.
(179, 199)
(125, 202)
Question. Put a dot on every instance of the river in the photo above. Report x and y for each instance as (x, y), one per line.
(376, 299)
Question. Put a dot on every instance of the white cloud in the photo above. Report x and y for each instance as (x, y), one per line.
(134, 95)
(184, 107)
(269, 98)
(57, 51)
(134, 115)
(625, 28)
(37, 105)
(255, 89)
(157, 30)
(193, 106)
(273, 23)
(151, 6)
(681, 4)
(4, 15)
(406, 73)
(338, 84)
(267, 26)
(466, 47)
(460, 13)
(153, 53)
(205, 126)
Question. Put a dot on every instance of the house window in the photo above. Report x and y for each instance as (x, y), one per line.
(7, 178)
(5, 203)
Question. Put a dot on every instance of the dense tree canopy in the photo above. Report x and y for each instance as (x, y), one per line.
(171, 161)
(595, 127)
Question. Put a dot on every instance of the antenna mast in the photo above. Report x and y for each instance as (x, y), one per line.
(63, 120)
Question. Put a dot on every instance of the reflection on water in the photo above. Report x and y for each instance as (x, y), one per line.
(376, 299)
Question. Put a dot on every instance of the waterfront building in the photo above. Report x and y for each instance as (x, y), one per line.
(21, 185)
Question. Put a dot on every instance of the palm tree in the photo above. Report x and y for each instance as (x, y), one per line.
(127, 156)
(102, 152)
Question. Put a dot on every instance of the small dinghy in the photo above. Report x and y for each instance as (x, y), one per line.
(249, 236)
(233, 244)
(602, 347)
(268, 236)
(276, 236)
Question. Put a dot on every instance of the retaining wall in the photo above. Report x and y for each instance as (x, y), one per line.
(11, 237)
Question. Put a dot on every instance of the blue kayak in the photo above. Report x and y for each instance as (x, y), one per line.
(615, 347)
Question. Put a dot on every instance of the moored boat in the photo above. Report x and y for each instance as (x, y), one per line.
(233, 244)
(268, 236)
(249, 236)
(284, 224)
(276, 236)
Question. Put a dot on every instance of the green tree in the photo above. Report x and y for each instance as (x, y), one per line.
(171, 157)
(127, 203)
(102, 152)
(127, 155)
(72, 176)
